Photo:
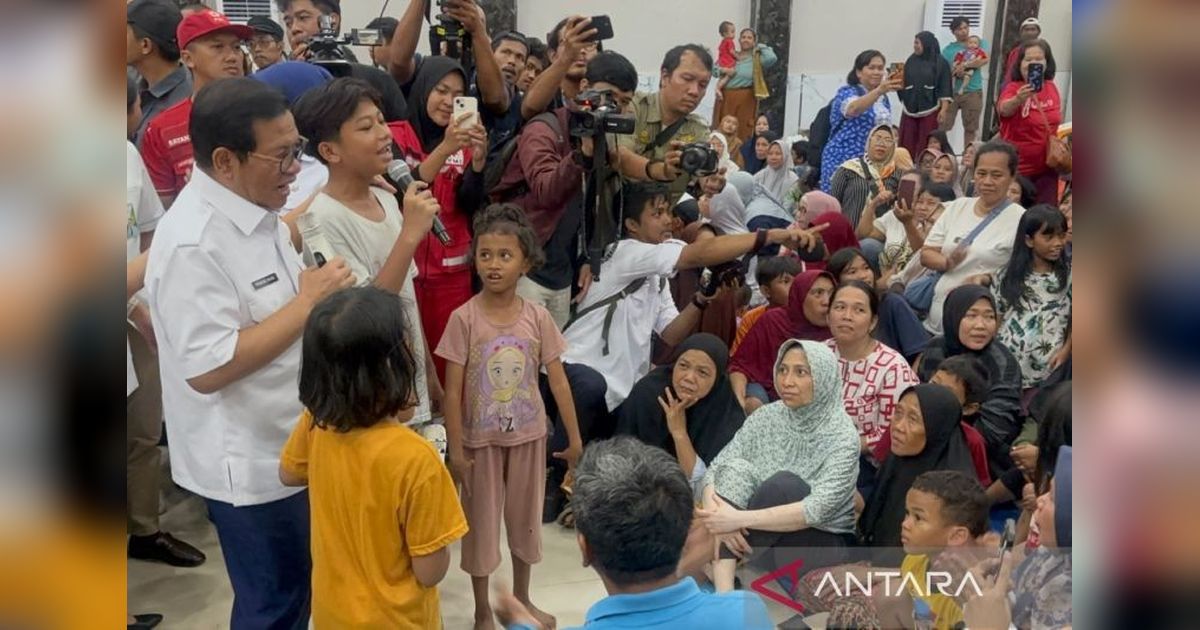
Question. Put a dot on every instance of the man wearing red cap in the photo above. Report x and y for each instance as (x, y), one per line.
(210, 47)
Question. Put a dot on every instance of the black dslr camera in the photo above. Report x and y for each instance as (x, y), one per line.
(698, 159)
(326, 47)
(598, 114)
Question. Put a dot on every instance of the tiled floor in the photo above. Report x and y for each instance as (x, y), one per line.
(200, 598)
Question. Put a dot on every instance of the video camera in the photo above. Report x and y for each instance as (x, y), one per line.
(326, 45)
(598, 114)
(698, 159)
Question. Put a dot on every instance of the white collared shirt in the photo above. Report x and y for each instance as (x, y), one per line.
(648, 310)
(219, 264)
(143, 209)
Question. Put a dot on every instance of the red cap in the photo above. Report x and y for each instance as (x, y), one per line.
(203, 23)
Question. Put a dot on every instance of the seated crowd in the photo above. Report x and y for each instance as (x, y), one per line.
(818, 354)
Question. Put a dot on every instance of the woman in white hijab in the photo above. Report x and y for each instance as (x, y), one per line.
(776, 178)
(718, 143)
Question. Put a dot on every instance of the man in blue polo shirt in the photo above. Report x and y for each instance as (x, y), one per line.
(633, 509)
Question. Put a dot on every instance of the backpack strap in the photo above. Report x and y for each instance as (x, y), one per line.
(499, 164)
(610, 304)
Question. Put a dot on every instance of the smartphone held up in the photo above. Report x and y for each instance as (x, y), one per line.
(1036, 74)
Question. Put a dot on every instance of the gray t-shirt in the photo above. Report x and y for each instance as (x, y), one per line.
(366, 245)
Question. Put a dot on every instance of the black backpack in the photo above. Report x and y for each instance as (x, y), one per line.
(819, 133)
(495, 169)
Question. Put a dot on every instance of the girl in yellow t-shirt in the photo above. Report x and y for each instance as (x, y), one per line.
(384, 509)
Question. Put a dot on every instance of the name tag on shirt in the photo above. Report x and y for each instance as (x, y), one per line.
(265, 281)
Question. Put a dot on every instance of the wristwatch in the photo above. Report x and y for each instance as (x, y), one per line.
(698, 303)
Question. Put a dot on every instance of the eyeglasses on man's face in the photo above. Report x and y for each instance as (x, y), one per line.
(285, 161)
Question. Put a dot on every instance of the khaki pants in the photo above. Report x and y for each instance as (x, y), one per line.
(143, 418)
(558, 302)
(971, 104)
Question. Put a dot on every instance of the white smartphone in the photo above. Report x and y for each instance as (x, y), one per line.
(466, 105)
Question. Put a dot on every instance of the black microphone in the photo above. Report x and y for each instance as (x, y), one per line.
(401, 177)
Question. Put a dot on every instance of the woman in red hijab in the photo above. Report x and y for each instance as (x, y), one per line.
(752, 367)
(839, 234)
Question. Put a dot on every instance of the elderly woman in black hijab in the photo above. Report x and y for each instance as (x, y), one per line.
(925, 436)
(926, 95)
(687, 408)
(970, 324)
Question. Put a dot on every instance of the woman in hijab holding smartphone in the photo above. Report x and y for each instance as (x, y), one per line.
(449, 156)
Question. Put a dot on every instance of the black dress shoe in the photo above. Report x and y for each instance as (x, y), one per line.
(163, 547)
(145, 621)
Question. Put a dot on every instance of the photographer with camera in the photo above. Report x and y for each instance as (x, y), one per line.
(545, 175)
(314, 28)
(303, 21)
(666, 116)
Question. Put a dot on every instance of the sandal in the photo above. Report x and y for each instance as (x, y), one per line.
(567, 517)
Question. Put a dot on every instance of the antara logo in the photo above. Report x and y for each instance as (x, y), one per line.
(895, 583)
(891, 581)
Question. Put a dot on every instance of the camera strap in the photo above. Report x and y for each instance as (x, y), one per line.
(664, 136)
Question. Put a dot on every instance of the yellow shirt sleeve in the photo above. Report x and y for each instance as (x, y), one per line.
(433, 516)
(294, 458)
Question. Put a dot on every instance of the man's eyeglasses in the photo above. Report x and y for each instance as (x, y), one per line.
(286, 161)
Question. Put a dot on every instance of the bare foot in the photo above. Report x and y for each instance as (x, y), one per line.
(485, 620)
(546, 619)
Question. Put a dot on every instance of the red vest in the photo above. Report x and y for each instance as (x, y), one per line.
(432, 258)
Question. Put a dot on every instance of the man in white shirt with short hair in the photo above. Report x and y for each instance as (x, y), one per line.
(230, 298)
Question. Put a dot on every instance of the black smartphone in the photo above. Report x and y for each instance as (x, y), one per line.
(603, 26)
(1037, 76)
(908, 192)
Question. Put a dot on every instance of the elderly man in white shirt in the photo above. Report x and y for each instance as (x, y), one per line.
(229, 297)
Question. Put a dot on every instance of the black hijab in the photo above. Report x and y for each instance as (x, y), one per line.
(945, 449)
(711, 422)
(958, 302)
(924, 76)
(750, 160)
(431, 70)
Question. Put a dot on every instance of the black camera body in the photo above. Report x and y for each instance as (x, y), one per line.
(698, 159)
(326, 46)
(598, 114)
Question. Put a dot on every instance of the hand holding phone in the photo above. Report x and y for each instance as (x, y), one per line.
(603, 26)
(1036, 74)
(908, 192)
(466, 105)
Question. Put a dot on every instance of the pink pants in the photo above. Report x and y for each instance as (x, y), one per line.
(509, 480)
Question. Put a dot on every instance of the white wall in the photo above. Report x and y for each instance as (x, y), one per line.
(825, 36)
(643, 29)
